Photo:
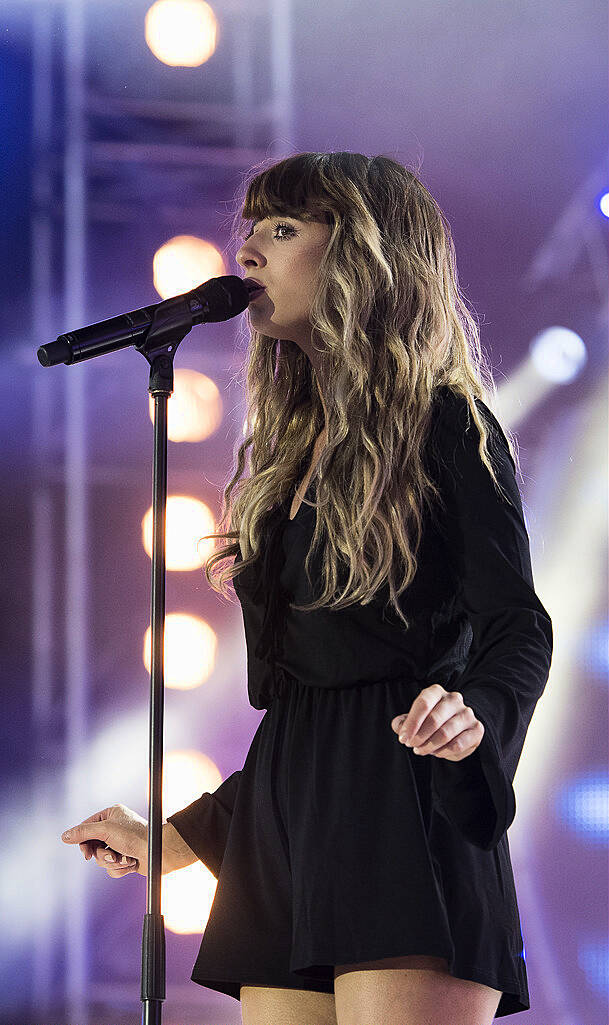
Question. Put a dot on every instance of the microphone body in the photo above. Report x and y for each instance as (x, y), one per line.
(215, 300)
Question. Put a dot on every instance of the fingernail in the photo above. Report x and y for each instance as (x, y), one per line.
(66, 835)
(108, 857)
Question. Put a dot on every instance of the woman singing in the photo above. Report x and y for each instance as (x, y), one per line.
(379, 551)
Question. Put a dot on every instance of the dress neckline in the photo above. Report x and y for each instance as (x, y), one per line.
(290, 499)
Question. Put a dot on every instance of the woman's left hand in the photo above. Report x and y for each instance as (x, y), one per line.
(439, 723)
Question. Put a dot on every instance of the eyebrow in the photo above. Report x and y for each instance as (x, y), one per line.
(272, 217)
(269, 218)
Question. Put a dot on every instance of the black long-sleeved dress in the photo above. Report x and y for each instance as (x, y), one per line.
(335, 843)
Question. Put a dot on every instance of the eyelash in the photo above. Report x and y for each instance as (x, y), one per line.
(276, 226)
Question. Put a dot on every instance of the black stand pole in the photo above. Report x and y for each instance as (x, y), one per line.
(166, 332)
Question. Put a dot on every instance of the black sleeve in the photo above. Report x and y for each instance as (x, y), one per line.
(511, 651)
(205, 823)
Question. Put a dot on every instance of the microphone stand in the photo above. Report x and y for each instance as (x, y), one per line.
(163, 327)
(171, 322)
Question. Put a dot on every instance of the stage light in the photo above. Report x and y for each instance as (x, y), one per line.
(558, 354)
(593, 960)
(194, 410)
(181, 33)
(183, 262)
(190, 647)
(186, 898)
(583, 805)
(186, 775)
(187, 521)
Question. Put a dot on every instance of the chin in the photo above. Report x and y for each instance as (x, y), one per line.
(267, 327)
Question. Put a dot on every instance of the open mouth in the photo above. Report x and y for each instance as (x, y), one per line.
(255, 293)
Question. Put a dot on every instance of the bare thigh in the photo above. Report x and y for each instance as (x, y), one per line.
(273, 1005)
(413, 990)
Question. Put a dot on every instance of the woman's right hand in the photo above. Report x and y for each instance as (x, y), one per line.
(116, 837)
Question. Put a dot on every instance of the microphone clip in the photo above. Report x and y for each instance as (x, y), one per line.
(171, 322)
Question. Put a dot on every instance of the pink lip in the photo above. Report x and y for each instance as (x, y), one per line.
(256, 293)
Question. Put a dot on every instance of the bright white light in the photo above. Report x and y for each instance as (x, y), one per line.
(583, 805)
(604, 204)
(186, 898)
(194, 409)
(186, 523)
(184, 262)
(558, 354)
(181, 33)
(593, 959)
(187, 775)
(190, 647)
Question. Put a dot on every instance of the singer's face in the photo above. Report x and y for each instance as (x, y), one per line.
(284, 253)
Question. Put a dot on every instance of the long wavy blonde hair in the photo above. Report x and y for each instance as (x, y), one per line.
(393, 326)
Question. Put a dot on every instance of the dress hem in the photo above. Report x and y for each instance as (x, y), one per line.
(512, 1000)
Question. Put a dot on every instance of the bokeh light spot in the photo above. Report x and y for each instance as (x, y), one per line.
(186, 898)
(183, 262)
(187, 522)
(181, 33)
(186, 775)
(194, 409)
(190, 647)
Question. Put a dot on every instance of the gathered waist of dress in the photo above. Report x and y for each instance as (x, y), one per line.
(284, 681)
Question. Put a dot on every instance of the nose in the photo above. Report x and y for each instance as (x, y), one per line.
(247, 256)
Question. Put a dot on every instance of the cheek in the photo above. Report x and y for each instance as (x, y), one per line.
(294, 299)
(304, 282)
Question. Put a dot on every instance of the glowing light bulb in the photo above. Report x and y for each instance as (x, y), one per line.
(186, 775)
(181, 33)
(194, 409)
(190, 647)
(187, 521)
(186, 898)
(183, 262)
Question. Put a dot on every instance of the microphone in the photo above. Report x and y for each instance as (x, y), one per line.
(215, 300)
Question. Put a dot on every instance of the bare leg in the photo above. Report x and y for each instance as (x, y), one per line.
(273, 1005)
(412, 990)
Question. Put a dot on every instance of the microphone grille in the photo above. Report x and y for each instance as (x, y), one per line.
(225, 296)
